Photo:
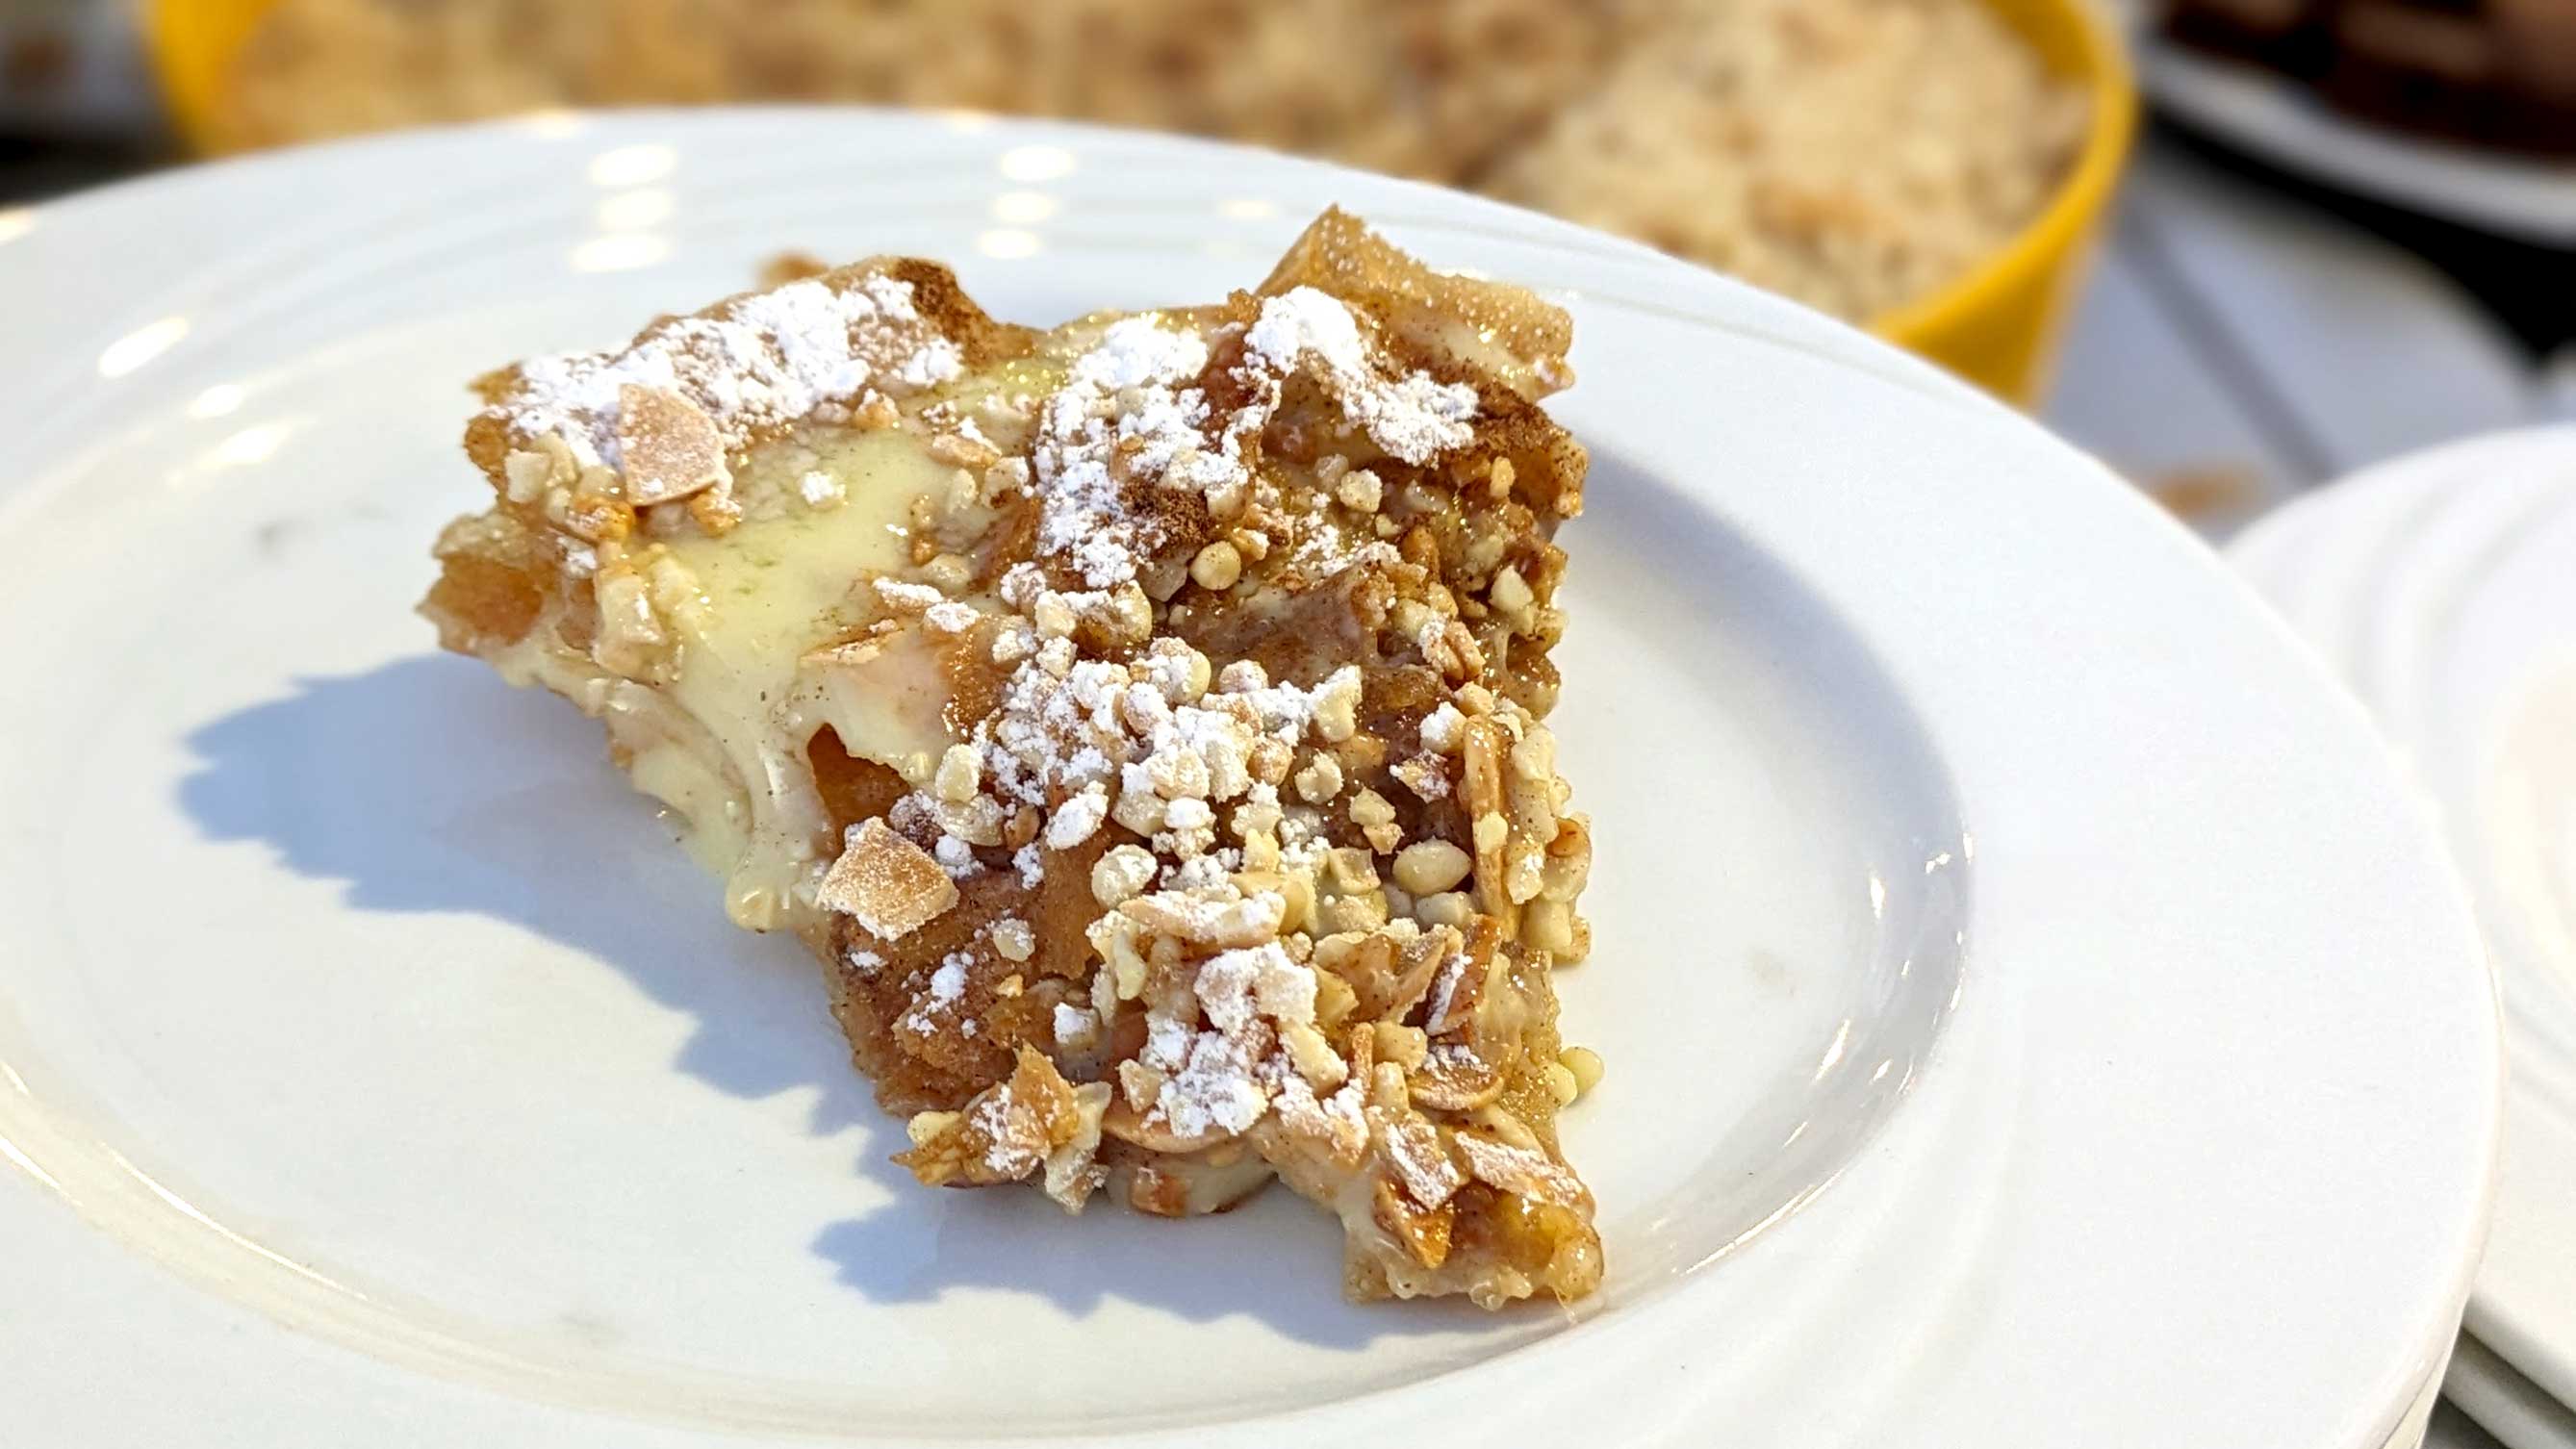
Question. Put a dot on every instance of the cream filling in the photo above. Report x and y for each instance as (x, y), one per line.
(773, 591)
(723, 742)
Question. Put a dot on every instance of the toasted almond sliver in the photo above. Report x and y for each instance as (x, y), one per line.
(1521, 1170)
(1413, 1150)
(889, 885)
(1424, 1233)
(668, 447)
(1223, 924)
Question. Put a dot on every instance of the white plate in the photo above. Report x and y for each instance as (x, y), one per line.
(2411, 1430)
(2035, 1014)
(2441, 585)
(2283, 123)
(2512, 1408)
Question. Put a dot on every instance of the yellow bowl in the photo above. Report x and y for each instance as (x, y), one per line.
(192, 41)
(1998, 326)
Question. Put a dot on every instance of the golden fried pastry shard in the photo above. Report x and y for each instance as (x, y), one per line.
(1142, 721)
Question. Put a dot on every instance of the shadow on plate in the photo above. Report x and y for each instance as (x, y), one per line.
(428, 786)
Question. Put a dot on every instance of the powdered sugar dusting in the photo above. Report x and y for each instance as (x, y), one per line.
(1216, 1090)
(1414, 417)
(1122, 409)
(948, 983)
(1130, 410)
(763, 360)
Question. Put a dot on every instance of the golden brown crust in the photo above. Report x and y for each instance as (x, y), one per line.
(1518, 356)
(1337, 253)
(950, 312)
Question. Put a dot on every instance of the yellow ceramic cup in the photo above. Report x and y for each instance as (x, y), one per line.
(1996, 326)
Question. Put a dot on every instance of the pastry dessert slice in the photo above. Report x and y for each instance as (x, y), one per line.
(1140, 720)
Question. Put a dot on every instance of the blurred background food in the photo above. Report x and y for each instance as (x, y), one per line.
(1432, 90)
(1854, 154)
(1874, 158)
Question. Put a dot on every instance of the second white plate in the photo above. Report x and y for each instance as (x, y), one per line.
(2443, 586)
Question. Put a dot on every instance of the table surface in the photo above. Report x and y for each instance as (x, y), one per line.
(2243, 338)
(2241, 342)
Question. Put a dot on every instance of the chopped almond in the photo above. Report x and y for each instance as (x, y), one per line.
(889, 885)
(669, 447)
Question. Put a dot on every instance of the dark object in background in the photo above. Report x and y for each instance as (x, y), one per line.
(76, 107)
(2287, 35)
(73, 68)
(2497, 73)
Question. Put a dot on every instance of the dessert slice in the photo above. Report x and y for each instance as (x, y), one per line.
(1141, 720)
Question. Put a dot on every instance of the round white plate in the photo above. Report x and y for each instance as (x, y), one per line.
(2282, 123)
(2441, 585)
(2035, 1013)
